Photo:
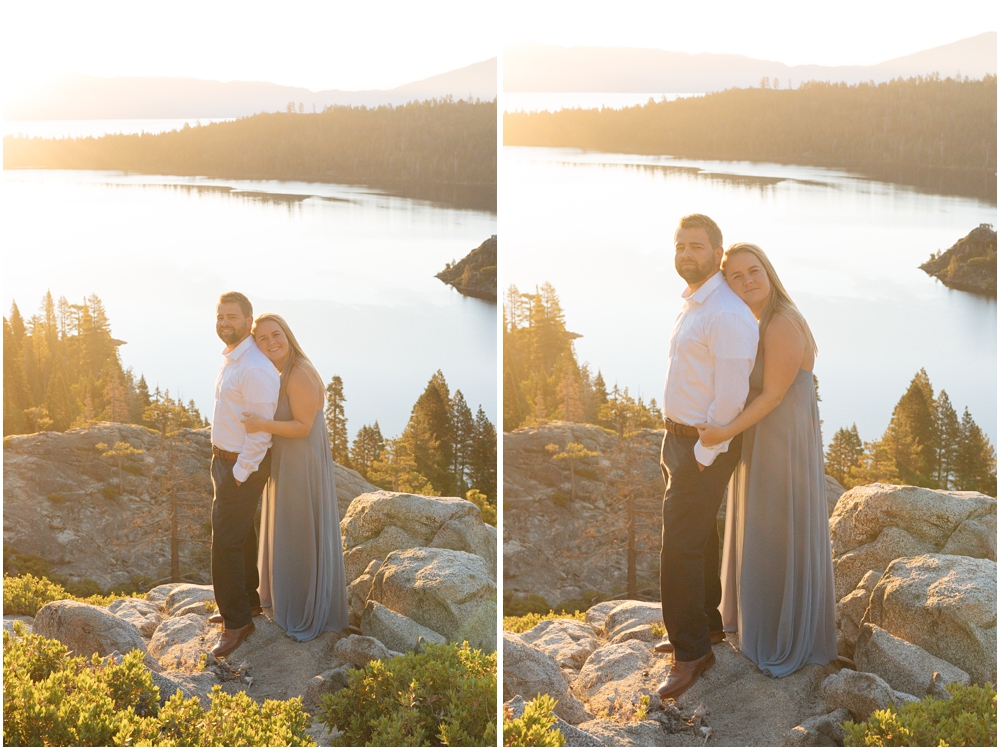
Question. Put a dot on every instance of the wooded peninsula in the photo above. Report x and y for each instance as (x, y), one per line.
(438, 150)
(935, 134)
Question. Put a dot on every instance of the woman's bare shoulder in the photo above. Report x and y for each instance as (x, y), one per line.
(785, 328)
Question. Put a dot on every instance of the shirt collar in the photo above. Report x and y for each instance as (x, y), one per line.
(701, 293)
(236, 353)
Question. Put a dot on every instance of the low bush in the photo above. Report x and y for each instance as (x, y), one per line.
(534, 728)
(109, 492)
(56, 497)
(25, 595)
(51, 698)
(446, 695)
(585, 601)
(518, 606)
(526, 622)
(968, 719)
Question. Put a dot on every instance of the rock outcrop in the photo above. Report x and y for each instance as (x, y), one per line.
(62, 500)
(476, 274)
(905, 666)
(970, 264)
(562, 549)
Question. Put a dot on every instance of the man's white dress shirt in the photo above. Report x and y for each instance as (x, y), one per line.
(247, 382)
(712, 350)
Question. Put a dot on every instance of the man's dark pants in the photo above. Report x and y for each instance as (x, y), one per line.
(690, 589)
(234, 540)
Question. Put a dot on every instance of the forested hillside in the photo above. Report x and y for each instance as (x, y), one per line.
(934, 133)
(436, 150)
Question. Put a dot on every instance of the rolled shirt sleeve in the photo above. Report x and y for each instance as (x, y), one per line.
(733, 343)
(260, 396)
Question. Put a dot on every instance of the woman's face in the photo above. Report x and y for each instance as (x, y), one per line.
(271, 340)
(746, 276)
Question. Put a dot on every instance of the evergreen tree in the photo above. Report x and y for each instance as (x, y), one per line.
(877, 464)
(396, 469)
(140, 401)
(15, 385)
(429, 435)
(976, 460)
(949, 435)
(844, 453)
(483, 461)
(366, 449)
(914, 418)
(465, 440)
(336, 421)
(116, 407)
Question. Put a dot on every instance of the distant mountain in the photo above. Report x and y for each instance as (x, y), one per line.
(529, 66)
(91, 98)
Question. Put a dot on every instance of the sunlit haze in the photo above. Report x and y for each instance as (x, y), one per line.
(316, 45)
(850, 32)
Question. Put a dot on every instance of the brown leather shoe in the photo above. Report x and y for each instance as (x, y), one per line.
(217, 619)
(682, 676)
(230, 639)
(666, 647)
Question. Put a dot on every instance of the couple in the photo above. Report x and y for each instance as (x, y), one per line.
(739, 402)
(269, 435)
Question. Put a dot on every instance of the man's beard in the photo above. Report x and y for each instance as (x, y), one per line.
(230, 334)
(695, 274)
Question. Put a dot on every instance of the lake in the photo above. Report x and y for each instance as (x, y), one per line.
(600, 226)
(351, 269)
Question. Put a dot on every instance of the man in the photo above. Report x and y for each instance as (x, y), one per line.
(241, 465)
(712, 349)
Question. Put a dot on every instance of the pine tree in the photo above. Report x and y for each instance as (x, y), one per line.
(141, 400)
(465, 439)
(844, 452)
(572, 454)
(877, 464)
(949, 435)
(336, 421)
(115, 393)
(483, 460)
(914, 418)
(396, 469)
(15, 385)
(429, 435)
(976, 460)
(366, 449)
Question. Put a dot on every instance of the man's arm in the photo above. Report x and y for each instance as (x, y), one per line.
(733, 342)
(260, 397)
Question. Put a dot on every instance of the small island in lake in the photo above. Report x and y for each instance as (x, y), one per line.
(970, 264)
(476, 274)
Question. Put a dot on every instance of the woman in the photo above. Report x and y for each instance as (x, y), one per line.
(301, 559)
(777, 568)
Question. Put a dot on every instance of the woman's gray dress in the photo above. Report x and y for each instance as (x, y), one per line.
(777, 568)
(301, 557)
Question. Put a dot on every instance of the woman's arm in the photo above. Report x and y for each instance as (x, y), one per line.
(784, 349)
(303, 398)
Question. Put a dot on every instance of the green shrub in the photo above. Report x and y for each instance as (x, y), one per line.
(560, 498)
(446, 695)
(585, 601)
(51, 698)
(109, 492)
(518, 606)
(526, 622)
(533, 729)
(15, 563)
(968, 719)
(56, 497)
(25, 595)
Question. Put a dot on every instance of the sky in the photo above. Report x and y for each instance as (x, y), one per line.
(846, 32)
(332, 44)
(316, 44)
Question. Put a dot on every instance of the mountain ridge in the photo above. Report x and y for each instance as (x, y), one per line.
(82, 97)
(536, 67)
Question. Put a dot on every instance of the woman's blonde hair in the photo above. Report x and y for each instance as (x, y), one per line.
(778, 301)
(298, 357)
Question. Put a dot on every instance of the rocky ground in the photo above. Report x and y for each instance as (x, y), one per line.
(549, 546)
(915, 571)
(419, 567)
(62, 500)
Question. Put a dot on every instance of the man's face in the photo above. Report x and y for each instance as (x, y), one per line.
(231, 324)
(694, 257)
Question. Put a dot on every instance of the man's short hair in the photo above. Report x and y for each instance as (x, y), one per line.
(693, 221)
(241, 299)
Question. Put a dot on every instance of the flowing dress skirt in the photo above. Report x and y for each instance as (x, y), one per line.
(301, 556)
(777, 567)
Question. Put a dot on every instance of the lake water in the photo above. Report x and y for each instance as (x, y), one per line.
(351, 269)
(600, 226)
(97, 128)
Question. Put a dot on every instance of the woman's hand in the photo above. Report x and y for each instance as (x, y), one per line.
(254, 423)
(711, 434)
